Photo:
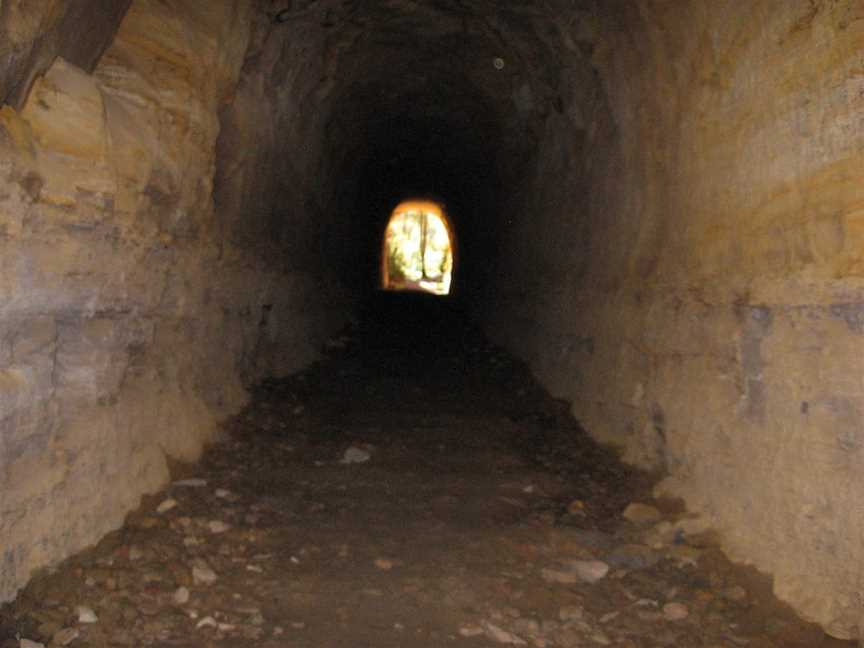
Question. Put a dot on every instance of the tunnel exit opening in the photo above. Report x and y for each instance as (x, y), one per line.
(418, 250)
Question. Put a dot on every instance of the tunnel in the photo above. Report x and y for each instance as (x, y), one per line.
(659, 209)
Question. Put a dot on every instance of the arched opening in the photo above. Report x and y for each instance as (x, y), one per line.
(418, 251)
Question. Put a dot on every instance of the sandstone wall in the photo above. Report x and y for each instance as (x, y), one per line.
(695, 287)
(127, 319)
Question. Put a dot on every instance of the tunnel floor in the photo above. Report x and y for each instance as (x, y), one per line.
(415, 488)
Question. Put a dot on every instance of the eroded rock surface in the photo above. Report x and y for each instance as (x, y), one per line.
(126, 323)
(658, 206)
(701, 306)
(444, 536)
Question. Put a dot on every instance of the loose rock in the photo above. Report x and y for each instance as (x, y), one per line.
(166, 505)
(181, 596)
(675, 611)
(638, 513)
(203, 575)
(218, 526)
(500, 635)
(86, 615)
(355, 455)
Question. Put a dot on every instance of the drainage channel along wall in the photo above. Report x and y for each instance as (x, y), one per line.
(704, 307)
(130, 307)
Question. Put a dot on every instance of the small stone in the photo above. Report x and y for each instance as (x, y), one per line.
(26, 643)
(135, 553)
(638, 513)
(470, 630)
(218, 526)
(166, 506)
(500, 635)
(202, 575)
(181, 595)
(355, 455)
(570, 613)
(589, 571)
(65, 636)
(223, 493)
(86, 615)
(195, 482)
(675, 611)
(384, 563)
(207, 622)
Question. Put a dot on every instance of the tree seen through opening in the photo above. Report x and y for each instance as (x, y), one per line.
(418, 250)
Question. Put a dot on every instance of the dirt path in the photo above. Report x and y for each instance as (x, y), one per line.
(415, 491)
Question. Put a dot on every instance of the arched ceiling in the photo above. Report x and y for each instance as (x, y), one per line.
(425, 98)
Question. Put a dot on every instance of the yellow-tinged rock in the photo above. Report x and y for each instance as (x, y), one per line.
(64, 117)
(18, 130)
(66, 114)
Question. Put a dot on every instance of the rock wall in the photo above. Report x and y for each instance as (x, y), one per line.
(127, 320)
(35, 32)
(695, 286)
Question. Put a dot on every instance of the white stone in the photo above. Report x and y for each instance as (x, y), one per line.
(589, 571)
(204, 575)
(500, 635)
(207, 622)
(86, 615)
(26, 643)
(166, 506)
(181, 596)
(470, 630)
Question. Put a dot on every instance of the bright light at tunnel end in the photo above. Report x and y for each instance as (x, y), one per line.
(418, 249)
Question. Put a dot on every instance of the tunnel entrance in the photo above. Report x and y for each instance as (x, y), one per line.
(418, 249)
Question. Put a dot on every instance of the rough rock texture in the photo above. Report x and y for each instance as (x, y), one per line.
(702, 306)
(34, 32)
(658, 205)
(126, 320)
